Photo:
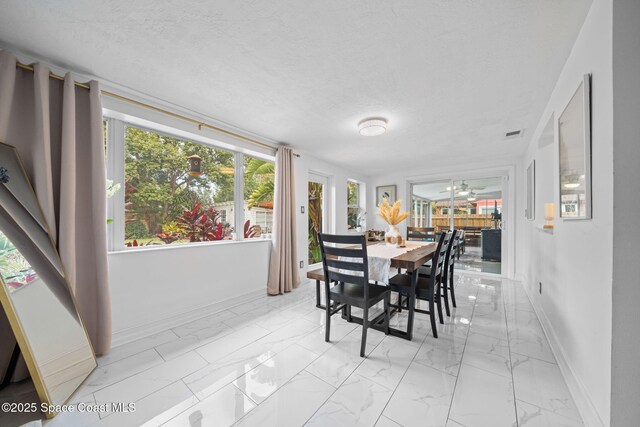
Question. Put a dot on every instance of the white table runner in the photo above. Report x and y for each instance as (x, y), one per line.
(379, 258)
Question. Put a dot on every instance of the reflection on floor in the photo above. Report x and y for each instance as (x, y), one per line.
(266, 364)
(472, 260)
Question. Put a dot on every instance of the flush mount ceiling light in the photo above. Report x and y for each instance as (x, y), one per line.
(372, 127)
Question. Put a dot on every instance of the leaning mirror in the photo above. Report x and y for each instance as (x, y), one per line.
(574, 137)
(35, 294)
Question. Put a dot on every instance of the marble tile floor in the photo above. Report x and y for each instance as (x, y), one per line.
(266, 364)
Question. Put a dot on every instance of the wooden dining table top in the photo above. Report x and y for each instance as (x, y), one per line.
(413, 259)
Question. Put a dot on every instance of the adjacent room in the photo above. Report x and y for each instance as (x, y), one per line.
(287, 213)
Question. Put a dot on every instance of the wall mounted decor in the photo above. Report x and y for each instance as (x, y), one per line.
(530, 211)
(574, 141)
(386, 192)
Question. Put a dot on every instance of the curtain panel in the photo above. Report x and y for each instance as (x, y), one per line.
(283, 271)
(57, 129)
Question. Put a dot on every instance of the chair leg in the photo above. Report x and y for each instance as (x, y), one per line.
(453, 292)
(445, 292)
(432, 316)
(387, 312)
(439, 303)
(365, 325)
(327, 324)
(399, 302)
(411, 307)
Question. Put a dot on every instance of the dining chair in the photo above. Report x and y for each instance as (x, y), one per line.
(447, 272)
(461, 243)
(344, 260)
(426, 234)
(423, 284)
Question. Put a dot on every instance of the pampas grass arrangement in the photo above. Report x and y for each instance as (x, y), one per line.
(391, 214)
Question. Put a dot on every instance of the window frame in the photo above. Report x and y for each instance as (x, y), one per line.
(116, 151)
(357, 205)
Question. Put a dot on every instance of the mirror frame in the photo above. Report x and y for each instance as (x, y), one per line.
(584, 140)
(14, 321)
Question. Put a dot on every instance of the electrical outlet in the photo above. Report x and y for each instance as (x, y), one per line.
(301, 264)
(301, 209)
(540, 287)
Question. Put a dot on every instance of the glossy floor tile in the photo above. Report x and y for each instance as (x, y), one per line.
(266, 363)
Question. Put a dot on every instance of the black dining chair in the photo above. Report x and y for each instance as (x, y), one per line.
(446, 279)
(344, 260)
(462, 245)
(426, 234)
(423, 285)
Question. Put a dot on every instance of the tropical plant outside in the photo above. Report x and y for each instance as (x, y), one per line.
(165, 204)
(315, 221)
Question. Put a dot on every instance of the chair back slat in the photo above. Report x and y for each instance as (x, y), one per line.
(426, 234)
(343, 252)
(450, 258)
(440, 254)
(345, 264)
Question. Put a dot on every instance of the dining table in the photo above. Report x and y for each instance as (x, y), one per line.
(382, 259)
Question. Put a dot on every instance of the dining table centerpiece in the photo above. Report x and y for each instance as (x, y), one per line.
(393, 217)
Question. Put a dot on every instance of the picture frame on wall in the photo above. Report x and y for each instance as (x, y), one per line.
(386, 191)
(530, 211)
(574, 144)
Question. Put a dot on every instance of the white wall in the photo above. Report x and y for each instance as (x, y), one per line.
(337, 193)
(157, 288)
(574, 263)
(625, 373)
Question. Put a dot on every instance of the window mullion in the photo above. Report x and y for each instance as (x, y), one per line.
(115, 170)
(238, 209)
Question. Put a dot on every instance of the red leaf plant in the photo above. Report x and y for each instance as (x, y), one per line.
(201, 224)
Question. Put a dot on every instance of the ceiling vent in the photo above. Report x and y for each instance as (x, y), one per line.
(514, 134)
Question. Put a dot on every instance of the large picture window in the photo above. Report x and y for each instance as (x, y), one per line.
(168, 199)
(166, 189)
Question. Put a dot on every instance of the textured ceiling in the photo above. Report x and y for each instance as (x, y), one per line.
(450, 76)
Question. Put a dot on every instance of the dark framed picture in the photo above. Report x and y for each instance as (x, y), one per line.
(386, 192)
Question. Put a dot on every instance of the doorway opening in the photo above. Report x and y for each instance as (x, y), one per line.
(472, 205)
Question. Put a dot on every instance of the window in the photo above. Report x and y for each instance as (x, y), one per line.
(354, 216)
(171, 196)
(259, 177)
(169, 186)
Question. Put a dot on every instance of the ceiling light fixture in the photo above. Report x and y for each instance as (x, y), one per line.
(471, 198)
(463, 193)
(372, 127)
(572, 185)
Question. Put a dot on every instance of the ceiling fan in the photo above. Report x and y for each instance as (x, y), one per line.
(463, 189)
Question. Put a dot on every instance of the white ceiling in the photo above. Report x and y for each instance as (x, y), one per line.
(450, 76)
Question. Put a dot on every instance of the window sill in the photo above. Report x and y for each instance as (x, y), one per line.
(185, 246)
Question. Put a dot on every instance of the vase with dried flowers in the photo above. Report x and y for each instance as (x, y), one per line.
(393, 217)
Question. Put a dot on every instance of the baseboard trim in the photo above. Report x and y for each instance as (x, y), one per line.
(176, 319)
(587, 410)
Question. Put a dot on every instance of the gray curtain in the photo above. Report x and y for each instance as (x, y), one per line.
(57, 129)
(283, 272)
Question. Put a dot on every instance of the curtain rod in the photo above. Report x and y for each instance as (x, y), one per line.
(157, 109)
